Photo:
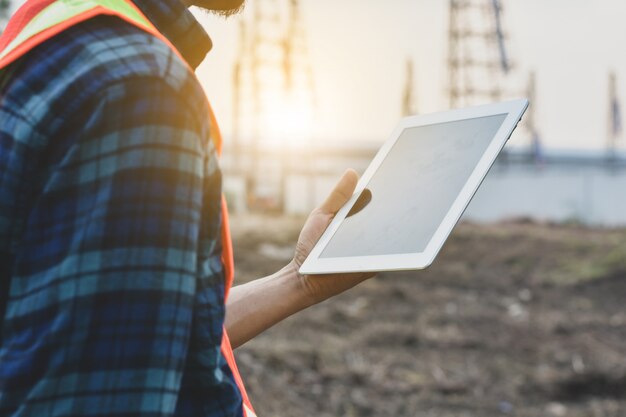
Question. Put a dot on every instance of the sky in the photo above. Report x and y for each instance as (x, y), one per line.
(357, 49)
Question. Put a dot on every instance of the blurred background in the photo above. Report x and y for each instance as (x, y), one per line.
(305, 89)
(522, 313)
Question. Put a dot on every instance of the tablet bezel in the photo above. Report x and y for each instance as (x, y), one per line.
(313, 264)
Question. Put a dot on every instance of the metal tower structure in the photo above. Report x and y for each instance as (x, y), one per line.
(409, 105)
(273, 95)
(477, 54)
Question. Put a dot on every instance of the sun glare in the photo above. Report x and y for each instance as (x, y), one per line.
(287, 121)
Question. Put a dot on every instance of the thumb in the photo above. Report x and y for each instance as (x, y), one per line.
(341, 193)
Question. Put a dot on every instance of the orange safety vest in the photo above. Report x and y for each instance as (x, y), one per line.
(39, 20)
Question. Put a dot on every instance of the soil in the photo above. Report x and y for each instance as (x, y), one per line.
(516, 318)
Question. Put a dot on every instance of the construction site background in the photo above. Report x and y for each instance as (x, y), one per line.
(522, 312)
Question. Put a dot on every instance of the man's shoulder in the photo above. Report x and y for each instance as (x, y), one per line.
(98, 52)
(114, 50)
(71, 70)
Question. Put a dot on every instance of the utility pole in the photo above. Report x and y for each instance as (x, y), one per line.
(535, 144)
(408, 98)
(477, 54)
(614, 119)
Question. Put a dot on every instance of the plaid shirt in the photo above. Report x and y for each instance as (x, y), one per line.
(110, 269)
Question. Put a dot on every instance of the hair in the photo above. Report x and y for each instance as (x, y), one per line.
(224, 13)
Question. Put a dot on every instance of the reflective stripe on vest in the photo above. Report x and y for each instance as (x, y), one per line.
(39, 20)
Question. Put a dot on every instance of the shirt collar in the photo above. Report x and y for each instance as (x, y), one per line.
(179, 26)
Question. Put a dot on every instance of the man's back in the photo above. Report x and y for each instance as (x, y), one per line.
(109, 230)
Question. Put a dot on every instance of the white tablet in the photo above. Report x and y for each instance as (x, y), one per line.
(415, 190)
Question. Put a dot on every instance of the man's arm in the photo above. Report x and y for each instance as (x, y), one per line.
(258, 305)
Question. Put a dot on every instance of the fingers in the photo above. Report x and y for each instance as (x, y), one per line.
(341, 193)
(364, 199)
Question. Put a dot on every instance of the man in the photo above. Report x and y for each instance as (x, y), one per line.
(111, 274)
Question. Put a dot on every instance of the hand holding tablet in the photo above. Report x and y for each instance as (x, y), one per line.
(415, 190)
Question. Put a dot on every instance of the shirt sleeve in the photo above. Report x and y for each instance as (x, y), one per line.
(123, 259)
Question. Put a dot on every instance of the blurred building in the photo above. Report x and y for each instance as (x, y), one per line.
(565, 186)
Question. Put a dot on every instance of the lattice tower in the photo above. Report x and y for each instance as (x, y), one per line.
(477, 54)
(273, 90)
(272, 72)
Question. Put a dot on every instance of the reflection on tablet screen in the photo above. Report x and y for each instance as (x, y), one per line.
(434, 162)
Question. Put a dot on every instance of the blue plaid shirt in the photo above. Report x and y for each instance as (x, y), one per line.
(110, 270)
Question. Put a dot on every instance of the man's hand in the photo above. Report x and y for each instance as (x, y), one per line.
(320, 287)
(257, 305)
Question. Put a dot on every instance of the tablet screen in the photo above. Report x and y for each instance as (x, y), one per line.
(434, 162)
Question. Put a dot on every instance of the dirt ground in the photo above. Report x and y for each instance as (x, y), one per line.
(516, 319)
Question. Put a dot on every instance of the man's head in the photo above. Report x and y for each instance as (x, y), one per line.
(221, 7)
